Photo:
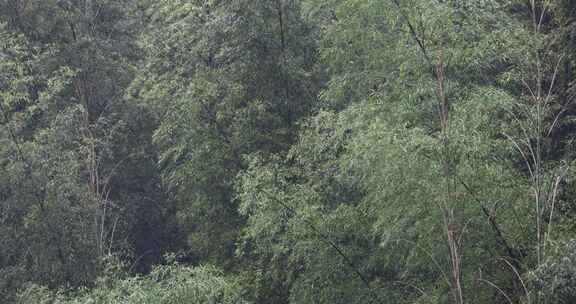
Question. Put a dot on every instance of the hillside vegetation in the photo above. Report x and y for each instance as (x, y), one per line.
(288, 151)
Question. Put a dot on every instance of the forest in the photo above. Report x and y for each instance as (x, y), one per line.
(287, 151)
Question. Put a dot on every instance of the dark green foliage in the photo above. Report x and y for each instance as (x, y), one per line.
(78, 167)
(556, 277)
(317, 151)
(226, 79)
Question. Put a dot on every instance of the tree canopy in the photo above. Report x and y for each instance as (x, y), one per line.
(287, 151)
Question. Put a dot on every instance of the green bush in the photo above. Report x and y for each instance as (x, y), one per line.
(171, 284)
(556, 278)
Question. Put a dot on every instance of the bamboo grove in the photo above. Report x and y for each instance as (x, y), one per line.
(288, 151)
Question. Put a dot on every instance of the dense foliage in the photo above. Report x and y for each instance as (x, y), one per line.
(287, 151)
